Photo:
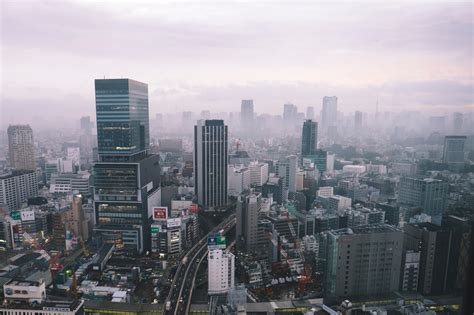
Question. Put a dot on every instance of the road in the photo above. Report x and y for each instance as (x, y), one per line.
(182, 286)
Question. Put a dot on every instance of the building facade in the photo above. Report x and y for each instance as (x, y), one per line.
(248, 209)
(309, 138)
(16, 187)
(220, 271)
(428, 194)
(210, 163)
(21, 147)
(363, 261)
(453, 152)
(126, 176)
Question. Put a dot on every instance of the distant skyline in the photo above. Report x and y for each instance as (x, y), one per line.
(194, 56)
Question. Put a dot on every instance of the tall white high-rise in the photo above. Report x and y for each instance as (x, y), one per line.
(258, 173)
(246, 113)
(220, 271)
(210, 163)
(329, 112)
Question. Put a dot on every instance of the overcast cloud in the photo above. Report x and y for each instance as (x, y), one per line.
(194, 56)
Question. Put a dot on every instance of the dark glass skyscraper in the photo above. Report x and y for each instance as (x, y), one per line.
(210, 163)
(309, 138)
(122, 119)
(309, 146)
(126, 178)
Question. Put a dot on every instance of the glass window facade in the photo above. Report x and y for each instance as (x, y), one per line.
(122, 118)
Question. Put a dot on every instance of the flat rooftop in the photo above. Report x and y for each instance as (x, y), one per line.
(23, 283)
(366, 229)
(56, 304)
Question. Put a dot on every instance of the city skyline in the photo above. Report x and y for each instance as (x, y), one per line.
(270, 52)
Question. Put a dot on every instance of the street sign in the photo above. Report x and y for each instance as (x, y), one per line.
(216, 241)
(16, 215)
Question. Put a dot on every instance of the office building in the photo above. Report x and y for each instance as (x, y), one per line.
(364, 216)
(337, 203)
(258, 173)
(210, 163)
(275, 189)
(309, 138)
(358, 120)
(221, 269)
(410, 271)
(286, 169)
(453, 153)
(239, 180)
(187, 118)
(246, 113)
(86, 125)
(122, 119)
(461, 230)
(64, 183)
(363, 261)
(16, 187)
(404, 168)
(290, 112)
(126, 177)
(392, 212)
(428, 194)
(74, 154)
(248, 208)
(435, 245)
(329, 113)
(325, 191)
(21, 147)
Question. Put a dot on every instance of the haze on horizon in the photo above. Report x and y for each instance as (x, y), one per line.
(195, 56)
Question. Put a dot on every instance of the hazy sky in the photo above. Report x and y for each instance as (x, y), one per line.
(209, 54)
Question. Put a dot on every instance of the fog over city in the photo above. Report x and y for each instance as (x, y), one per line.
(177, 157)
(407, 56)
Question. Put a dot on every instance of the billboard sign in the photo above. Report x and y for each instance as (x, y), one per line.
(160, 213)
(15, 215)
(216, 241)
(27, 215)
(174, 222)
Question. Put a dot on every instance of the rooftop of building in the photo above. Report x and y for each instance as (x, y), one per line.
(57, 304)
(366, 229)
(14, 173)
(22, 259)
(24, 283)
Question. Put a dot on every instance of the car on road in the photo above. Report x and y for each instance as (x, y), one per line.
(181, 300)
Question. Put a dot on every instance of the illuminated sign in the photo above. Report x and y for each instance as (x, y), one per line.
(160, 213)
(174, 222)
